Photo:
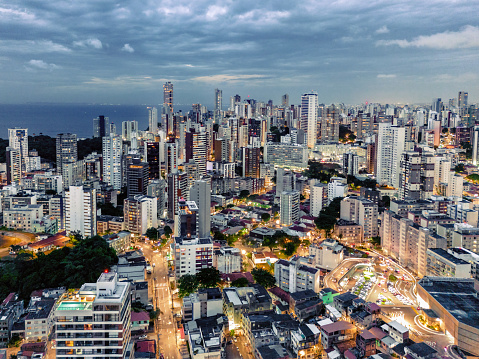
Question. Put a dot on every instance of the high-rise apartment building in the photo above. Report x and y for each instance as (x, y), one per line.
(129, 130)
(157, 189)
(152, 155)
(67, 151)
(251, 160)
(192, 254)
(309, 117)
(363, 212)
(18, 139)
(14, 165)
(200, 193)
(140, 213)
(285, 100)
(318, 197)
(462, 99)
(196, 149)
(112, 152)
(289, 207)
(177, 188)
(390, 147)
(153, 120)
(137, 177)
(168, 98)
(350, 164)
(218, 105)
(94, 321)
(80, 209)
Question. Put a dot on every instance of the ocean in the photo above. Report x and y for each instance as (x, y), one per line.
(52, 119)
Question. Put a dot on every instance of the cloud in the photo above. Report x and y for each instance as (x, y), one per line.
(179, 10)
(41, 65)
(214, 12)
(127, 48)
(382, 30)
(226, 78)
(91, 42)
(32, 46)
(386, 76)
(467, 37)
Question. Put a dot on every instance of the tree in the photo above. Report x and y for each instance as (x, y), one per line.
(152, 233)
(187, 284)
(167, 231)
(459, 167)
(265, 217)
(240, 282)
(263, 277)
(392, 278)
(386, 201)
(208, 277)
(244, 193)
(219, 236)
(375, 240)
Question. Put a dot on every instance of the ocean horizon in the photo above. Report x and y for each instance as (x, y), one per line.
(52, 119)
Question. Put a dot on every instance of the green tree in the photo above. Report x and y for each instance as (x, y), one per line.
(392, 278)
(265, 217)
(187, 284)
(386, 201)
(208, 277)
(243, 194)
(168, 231)
(376, 241)
(459, 167)
(240, 282)
(152, 233)
(218, 236)
(263, 277)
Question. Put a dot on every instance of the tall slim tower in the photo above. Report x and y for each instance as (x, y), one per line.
(218, 104)
(101, 127)
(391, 145)
(462, 99)
(112, 151)
(168, 97)
(285, 100)
(67, 151)
(309, 117)
(153, 120)
(200, 193)
(81, 210)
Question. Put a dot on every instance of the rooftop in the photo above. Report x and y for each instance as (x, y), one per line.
(339, 325)
(447, 256)
(455, 295)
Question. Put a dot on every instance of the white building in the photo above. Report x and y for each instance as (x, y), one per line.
(391, 145)
(363, 212)
(18, 139)
(455, 186)
(204, 303)
(80, 209)
(327, 254)
(297, 275)
(45, 182)
(337, 187)
(289, 207)
(227, 260)
(140, 213)
(192, 255)
(22, 217)
(112, 151)
(350, 164)
(318, 197)
(103, 308)
(286, 155)
(309, 117)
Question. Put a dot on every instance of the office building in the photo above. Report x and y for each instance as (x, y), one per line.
(101, 127)
(289, 207)
(80, 209)
(286, 155)
(153, 120)
(140, 213)
(251, 161)
(67, 152)
(363, 212)
(350, 164)
(309, 117)
(102, 308)
(112, 152)
(192, 254)
(200, 193)
(137, 178)
(390, 147)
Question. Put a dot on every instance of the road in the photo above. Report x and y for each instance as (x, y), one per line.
(165, 327)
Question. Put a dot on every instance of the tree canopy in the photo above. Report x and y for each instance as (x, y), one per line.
(208, 277)
(152, 233)
(240, 282)
(168, 231)
(187, 284)
(320, 171)
(263, 277)
(265, 217)
(69, 267)
(328, 216)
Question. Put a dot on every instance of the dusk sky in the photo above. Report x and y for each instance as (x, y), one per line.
(348, 51)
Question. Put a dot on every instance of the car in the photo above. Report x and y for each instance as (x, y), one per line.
(142, 337)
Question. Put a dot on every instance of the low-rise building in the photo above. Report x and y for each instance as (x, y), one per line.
(227, 259)
(120, 241)
(205, 337)
(327, 254)
(204, 303)
(304, 339)
(338, 332)
(297, 275)
(39, 320)
(349, 231)
(398, 331)
(22, 217)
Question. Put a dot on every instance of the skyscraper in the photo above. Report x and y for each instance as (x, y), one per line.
(67, 151)
(153, 120)
(200, 193)
(391, 145)
(152, 151)
(309, 117)
(218, 105)
(129, 129)
(462, 99)
(112, 151)
(18, 139)
(137, 178)
(80, 211)
(14, 165)
(196, 149)
(285, 100)
(251, 157)
(101, 127)
(350, 164)
(168, 98)
(289, 208)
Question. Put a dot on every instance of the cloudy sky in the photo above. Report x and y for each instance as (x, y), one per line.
(350, 51)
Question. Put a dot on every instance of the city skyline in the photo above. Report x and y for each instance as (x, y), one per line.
(349, 52)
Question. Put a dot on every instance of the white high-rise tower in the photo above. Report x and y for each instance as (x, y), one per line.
(112, 150)
(309, 117)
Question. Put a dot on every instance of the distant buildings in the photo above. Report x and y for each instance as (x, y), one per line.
(363, 212)
(297, 275)
(67, 150)
(289, 207)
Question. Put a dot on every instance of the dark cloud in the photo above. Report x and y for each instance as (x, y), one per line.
(347, 50)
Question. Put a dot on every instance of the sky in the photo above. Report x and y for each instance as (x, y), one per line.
(349, 51)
